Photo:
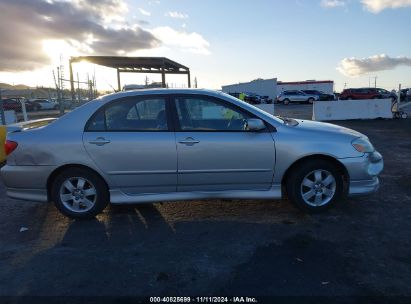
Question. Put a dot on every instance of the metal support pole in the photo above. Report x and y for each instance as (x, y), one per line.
(59, 93)
(23, 109)
(189, 79)
(73, 94)
(78, 90)
(118, 80)
(163, 78)
(3, 117)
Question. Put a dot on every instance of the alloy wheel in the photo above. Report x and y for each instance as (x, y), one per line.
(318, 188)
(78, 194)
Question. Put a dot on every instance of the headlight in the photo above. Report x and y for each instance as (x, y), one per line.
(362, 145)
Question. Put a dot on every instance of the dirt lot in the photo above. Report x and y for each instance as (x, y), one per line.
(249, 248)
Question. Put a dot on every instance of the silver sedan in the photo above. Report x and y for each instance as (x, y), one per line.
(169, 145)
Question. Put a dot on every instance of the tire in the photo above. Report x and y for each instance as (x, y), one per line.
(37, 108)
(88, 195)
(350, 98)
(310, 100)
(302, 180)
(286, 101)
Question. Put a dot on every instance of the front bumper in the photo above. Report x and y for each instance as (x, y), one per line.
(364, 187)
(363, 173)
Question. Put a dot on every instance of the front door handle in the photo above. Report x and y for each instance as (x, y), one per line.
(99, 141)
(189, 141)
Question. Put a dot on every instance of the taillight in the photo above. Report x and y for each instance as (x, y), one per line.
(10, 146)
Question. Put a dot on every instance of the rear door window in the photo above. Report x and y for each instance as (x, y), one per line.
(131, 114)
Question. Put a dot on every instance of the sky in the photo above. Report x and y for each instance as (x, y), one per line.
(353, 42)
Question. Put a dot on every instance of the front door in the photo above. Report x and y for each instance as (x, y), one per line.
(131, 141)
(215, 152)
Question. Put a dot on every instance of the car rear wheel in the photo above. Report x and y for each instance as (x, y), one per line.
(286, 101)
(311, 100)
(315, 186)
(350, 98)
(79, 193)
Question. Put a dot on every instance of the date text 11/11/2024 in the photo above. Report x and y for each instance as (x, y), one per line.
(203, 300)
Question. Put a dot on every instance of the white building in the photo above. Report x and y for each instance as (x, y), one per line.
(262, 87)
(326, 86)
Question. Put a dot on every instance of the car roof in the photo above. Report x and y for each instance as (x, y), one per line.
(157, 91)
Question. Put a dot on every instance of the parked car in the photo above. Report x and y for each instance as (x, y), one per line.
(15, 104)
(266, 99)
(296, 96)
(236, 95)
(252, 98)
(175, 144)
(43, 104)
(367, 93)
(405, 95)
(321, 95)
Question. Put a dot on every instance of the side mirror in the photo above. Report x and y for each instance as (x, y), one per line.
(254, 124)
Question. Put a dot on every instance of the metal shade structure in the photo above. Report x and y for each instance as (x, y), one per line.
(158, 65)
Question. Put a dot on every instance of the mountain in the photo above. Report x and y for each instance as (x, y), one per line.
(6, 86)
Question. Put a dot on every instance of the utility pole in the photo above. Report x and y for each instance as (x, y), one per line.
(375, 81)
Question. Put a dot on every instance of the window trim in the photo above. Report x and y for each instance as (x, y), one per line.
(138, 98)
(176, 122)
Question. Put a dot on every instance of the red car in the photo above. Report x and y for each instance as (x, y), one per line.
(367, 93)
(15, 104)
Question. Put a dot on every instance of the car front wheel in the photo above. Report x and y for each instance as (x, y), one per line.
(79, 193)
(315, 186)
(286, 101)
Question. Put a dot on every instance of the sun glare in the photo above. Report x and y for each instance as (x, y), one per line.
(58, 50)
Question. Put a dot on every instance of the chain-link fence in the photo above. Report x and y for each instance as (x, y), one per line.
(16, 109)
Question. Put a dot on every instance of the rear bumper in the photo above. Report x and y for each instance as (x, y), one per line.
(27, 182)
(35, 195)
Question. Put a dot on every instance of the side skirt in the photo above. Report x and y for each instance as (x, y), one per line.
(119, 197)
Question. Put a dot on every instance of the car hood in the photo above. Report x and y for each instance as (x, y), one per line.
(316, 126)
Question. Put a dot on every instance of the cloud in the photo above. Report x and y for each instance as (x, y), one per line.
(191, 42)
(144, 12)
(176, 15)
(353, 67)
(333, 3)
(376, 6)
(83, 24)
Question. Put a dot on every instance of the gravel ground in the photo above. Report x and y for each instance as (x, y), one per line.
(251, 248)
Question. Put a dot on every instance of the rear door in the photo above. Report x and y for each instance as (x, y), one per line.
(215, 152)
(131, 140)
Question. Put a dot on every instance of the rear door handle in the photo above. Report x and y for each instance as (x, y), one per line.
(189, 141)
(99, 141)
